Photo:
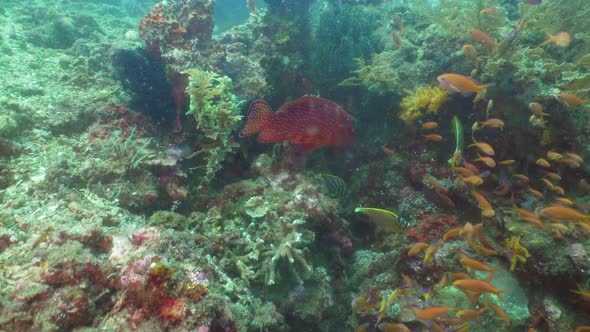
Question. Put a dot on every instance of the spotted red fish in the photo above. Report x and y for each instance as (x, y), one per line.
(310, 122)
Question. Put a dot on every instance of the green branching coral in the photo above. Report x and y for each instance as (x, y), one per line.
(216, 113)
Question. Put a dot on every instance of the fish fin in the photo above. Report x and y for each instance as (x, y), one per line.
(258, 118)
(481, 93)
(550, 39)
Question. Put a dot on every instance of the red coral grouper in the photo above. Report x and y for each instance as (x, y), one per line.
(310, 122)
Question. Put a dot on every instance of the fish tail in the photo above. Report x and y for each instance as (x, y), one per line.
(481, 92)
(258, 118)
(549, 40)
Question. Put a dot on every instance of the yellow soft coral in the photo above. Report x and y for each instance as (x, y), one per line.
(518, 253)
(425, 98)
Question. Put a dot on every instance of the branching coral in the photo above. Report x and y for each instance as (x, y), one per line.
(425, 98)
(379, 77)
(516, 251)
(215, 109)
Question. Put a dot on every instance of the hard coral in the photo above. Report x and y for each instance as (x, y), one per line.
(425, 98)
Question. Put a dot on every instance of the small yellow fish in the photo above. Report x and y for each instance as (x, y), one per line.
(484, 147)
(561, 39)
(473, 180)
(543, 163)
(488, 161)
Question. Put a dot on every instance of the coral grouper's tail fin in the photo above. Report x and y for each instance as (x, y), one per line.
(258, 118)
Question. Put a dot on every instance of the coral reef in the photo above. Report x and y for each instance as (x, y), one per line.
(128, 203)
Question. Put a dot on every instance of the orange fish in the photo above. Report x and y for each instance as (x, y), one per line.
(507, 162)
(474, 264)
(429, 254)
(453, 233)
(575, 157)
(465, 172)
(569, 99)
(521, 177)
(490, 162)
(429, 125)
(455, 83)
(552, 155)
(561, 39)
(488, 11)
(471, 167)
(482, 38)
(553, 176)
(536, 193)
(435, 184)
(543, 163)
(473, 180)
(433, 137)
(492, 123)
(558, 190)
(537, 110)
(470, 314)
(570, 162)
(500, 312)
(562, 213)
(388, 151)
(483, 204)
(582, 328)
(417, 249)
(548, 183)
(432, 312)
(477, 286)
(565, 201)
(393, 327)
(484, 147)
(460, 276)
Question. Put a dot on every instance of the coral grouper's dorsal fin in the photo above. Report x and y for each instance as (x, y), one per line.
(258, 118)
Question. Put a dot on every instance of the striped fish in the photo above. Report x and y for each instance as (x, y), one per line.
(337, 188)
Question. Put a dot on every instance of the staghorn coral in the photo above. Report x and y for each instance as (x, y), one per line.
(516, 251)
(425, 98)
(215, 109)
